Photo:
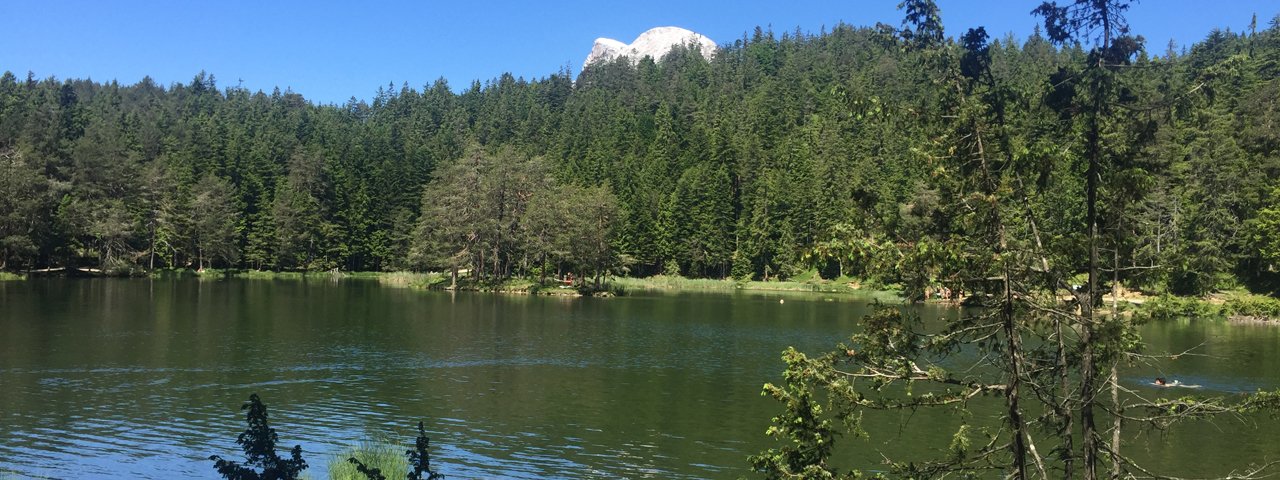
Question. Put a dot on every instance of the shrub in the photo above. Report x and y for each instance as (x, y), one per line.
(259, 444)
(1253, 306)
(1170, 307)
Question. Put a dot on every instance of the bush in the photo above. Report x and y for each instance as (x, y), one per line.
(1253, 306)
(1170, 307)
(420, 457)
(259, 444)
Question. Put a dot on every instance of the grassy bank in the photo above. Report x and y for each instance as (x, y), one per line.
(218, 273)
(441, 281)
(410, 279)
(1238, 306)
(809, 283)
(1235, 305)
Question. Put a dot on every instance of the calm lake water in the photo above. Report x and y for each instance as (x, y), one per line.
(111, 378)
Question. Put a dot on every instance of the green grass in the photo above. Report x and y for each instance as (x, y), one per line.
(805, 282)
(1232, 304)
(802, 283)
(8, 277)
(665, 282)
(407, 279)
(376, 453)
(268, 275)
(368, 275)
(215, 273)
(172, 273)
(517, 285)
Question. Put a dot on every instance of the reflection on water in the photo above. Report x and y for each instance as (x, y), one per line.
(137, 378)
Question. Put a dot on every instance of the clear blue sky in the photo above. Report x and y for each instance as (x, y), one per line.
(331, 51)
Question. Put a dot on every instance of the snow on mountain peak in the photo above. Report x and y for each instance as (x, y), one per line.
(655, 43)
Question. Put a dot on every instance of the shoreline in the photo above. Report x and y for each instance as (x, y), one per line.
(527, 286)
(664, 283)
(1236, 307)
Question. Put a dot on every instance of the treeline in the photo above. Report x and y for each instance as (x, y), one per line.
(785, 152)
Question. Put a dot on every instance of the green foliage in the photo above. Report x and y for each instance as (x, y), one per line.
(373, 455)
(370, 473)
(378, 460)
(922, 26)
(696, 212)
(22, 202)
(1236, 304)
(1264, 235)
(373, 460)
(1033, 230)
(215, 228)
(1255, 306)
(411, 279)
(826, 397)
(494, 213)
(805, 427)
(1170, 307)
(420, 457)
(851, 150)
(259, 445)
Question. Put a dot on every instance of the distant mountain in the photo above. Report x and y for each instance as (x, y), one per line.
(655, 43)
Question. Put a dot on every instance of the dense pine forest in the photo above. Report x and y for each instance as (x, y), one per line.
(850, 151)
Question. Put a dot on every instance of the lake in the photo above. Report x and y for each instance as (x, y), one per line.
(110, 378)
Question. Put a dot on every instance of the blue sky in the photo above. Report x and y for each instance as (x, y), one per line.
(331, 51)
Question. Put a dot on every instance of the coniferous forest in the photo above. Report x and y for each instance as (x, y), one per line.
(850, 151)
(1035, 178)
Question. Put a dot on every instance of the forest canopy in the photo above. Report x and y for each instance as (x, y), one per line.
(785, 152)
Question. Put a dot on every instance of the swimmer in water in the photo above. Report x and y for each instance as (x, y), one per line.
(1161, 382)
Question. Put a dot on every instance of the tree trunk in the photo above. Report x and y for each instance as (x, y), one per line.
(1014, 346)
(151, 261)
(1062, 407)
(1116, 423)
(542, 270)
(1088, 360)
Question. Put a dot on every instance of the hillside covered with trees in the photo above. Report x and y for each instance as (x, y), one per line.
(849, 150)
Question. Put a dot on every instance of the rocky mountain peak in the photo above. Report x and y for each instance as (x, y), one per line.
(655, 43)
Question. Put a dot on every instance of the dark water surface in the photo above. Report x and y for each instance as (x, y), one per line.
(112, 378)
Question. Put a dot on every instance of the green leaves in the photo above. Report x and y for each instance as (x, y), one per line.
(259, 445)
(749, 165)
